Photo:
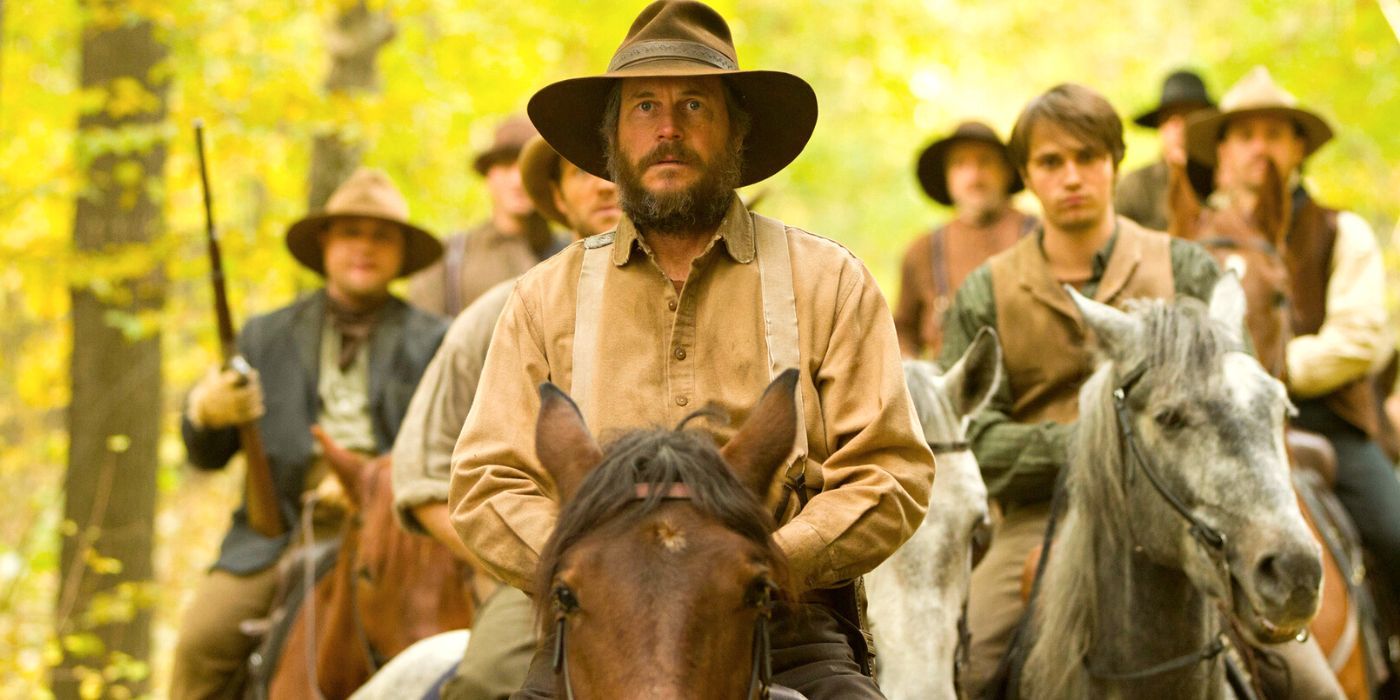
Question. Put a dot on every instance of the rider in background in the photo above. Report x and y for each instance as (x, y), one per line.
(1068, 144)
(1142, 194)
(503, 631)
(345, 357)
(1338, 290)
(970, 171)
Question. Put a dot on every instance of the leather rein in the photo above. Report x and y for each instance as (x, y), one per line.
(760, 678)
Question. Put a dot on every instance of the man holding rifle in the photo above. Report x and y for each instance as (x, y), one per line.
(345, 358)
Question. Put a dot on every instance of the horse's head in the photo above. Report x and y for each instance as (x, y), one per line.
(1178, 411)
(945, 403)
(662, 562)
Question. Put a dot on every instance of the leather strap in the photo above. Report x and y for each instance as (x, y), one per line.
(780, 331)
(597, 252)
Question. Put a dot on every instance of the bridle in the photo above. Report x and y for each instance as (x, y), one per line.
(1211, 540)
(760, 678)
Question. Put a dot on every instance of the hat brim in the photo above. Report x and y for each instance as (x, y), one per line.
(932, 168)
(420, 248)
(1203, 134)
(504, 154)
(1153, 119)
(782, 109)
(538, 163)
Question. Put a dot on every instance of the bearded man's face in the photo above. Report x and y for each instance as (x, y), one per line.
(676, 159)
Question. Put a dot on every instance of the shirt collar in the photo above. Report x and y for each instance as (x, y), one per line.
(736, 230)
(1101, 256)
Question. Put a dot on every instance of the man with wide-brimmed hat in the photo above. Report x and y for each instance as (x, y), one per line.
(694, 301)
(511, 241)
(503, 634)
(1338, 287)
(345, 357)
(1142, 193)
(970, 171)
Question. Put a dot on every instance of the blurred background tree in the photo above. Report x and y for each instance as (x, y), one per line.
(266, 78)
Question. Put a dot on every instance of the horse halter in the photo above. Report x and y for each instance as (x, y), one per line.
(760, 678)
(1210, 538)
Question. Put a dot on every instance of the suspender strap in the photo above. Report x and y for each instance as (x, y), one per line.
(452, 273)
(938, 253)
(597, 253)
(780, 329)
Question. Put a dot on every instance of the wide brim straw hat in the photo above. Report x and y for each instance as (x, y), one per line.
(932, 166)
(1255, 93)
(367, 193)
(680, 38)
(1182, 90)
(539, 168)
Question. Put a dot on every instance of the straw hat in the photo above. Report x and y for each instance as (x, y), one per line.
(367, 193)
(680, 38)
(1255, 93)
(932, 168)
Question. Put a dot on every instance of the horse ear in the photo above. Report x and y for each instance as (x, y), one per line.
(1114, 329)
(562, 442)
(1228, 304)
(973, 379)
(765, 440)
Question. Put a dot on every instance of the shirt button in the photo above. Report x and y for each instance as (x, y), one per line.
(680, 353)
(681, 400)
(671, 305)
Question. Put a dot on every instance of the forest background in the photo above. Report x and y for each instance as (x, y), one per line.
(295, 93)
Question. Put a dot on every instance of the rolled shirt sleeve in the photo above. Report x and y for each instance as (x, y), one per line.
(422, 457)
(878, 476)
(1353, 340)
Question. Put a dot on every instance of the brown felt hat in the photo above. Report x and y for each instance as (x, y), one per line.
(1182, 90)
(368, 193)
(539, 170)
(511, 136)
(932, 167)
(680, 38)
(1255, 93)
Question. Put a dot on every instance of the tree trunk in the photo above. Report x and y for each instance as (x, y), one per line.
(354, 41)
(103, 613)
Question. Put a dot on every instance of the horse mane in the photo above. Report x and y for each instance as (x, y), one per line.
(659, 457)
(1181, 348)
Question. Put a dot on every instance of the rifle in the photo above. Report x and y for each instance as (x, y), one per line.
(260, 496)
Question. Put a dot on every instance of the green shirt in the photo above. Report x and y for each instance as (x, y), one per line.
(1020, 460)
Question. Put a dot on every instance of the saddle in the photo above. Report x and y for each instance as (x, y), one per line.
(291, 593)
(1314, 453)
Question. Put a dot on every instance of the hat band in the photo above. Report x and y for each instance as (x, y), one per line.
(647, 50)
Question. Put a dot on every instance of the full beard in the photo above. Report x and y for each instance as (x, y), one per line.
(700, 207)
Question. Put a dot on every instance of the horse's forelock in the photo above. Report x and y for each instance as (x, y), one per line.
(658, 457)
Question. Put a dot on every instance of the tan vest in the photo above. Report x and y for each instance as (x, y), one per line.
(1046, 347)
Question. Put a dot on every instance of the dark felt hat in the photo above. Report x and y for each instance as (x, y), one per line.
(1182, 89)
(680, 38)
(932, 168)
(511, 136)
(367, 193)
(539, 170)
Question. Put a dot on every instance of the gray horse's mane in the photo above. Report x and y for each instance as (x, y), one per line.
(1181, 347)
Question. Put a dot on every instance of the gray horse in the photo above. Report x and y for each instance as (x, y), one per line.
(916, 597)
(1178, 507)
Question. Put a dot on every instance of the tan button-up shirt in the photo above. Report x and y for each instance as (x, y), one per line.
(664, 354)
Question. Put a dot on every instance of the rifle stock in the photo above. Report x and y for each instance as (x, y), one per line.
(260, 493)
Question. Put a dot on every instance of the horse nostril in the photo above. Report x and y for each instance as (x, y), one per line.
(1289, 579)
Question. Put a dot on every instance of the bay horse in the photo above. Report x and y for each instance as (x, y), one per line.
(1178, 517)
(918, 597)
(661, 574)
(1253, 245)
(388, 589)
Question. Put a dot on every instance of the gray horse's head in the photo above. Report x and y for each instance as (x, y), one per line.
(1210, 420)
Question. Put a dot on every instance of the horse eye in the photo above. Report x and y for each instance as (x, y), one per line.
(760, 593)
(564, 599)
(1170, 419)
